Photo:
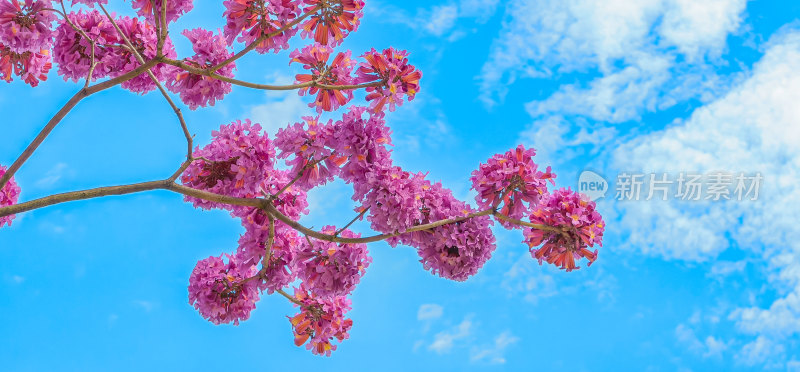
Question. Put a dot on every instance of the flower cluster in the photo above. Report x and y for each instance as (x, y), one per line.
(329, 269)
(512, 179)
(73, 52)
(399, 78)
(578, 227)
(334, 20)
(150, 8)
(255, 241)
(260, 21)
(143, 37)
(218, 291)
(25, 25)
(242, 162)
(200, 90)
(320, 321)
(315, 59)
(32, 67)
(235, 163)
(9, 195)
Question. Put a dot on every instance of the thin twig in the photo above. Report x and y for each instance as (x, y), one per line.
(353, 221)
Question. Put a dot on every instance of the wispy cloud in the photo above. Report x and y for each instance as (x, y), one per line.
(52, 176)
(494, 353)
(634, 45)
(444, 341)
(753, 128)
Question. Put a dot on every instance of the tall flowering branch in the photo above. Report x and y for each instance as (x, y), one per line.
(263, 181)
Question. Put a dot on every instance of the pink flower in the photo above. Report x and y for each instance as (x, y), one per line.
(363, 144)
(515, 170)
(31, 67)
(216, 291)
(320, 321)
(143, 37)
(73, 53)
(312, 160)
(252, 248)
(315, 58)
(25, 26)
(455, 251)
(235, 163)
(175, 8)
(251, 20)
(334, 20)
(582, 227)
(398, 77)
(329, 269)
(198, 90)
(9, 195)
(89, 2)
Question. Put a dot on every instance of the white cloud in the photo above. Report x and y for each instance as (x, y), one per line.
(281, 108)
(441, 19)
(443, 341)
(481, 9)
(634, 45)
(430, 312)
(494, 353)
(761, 351)
(754, 128)
(710, 347)
(52, 176)
(698, 27)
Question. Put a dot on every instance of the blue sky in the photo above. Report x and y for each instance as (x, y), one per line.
(648, 86)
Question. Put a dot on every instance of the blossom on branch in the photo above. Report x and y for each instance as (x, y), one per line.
(333, 21)
(580, 225)
(9, 195)
(253, 246)
(513, 180)
(398, 77)
(143, 37)
(313, 163)
(216, 292)
(200, 90)
(315, 59)
(151, 9)
(73, 53)
(329, 269)
(320, 321)
(25, 26)
(31, 67)
(261, 21)
(235, 163)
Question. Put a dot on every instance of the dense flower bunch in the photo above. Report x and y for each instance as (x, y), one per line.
(200, 90)
(315, 59)
(320, 321)
(582, 228)
(25, 25)
(329, 269)
(233, 164)
(512, 179)
(73, 52)
(262, 22)
(334, 20)
(217, 292)
(9, 195)
(453, 239)
(32, 67)
(312, 162)
(398, 77)
(152, 8)
(143, 37)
